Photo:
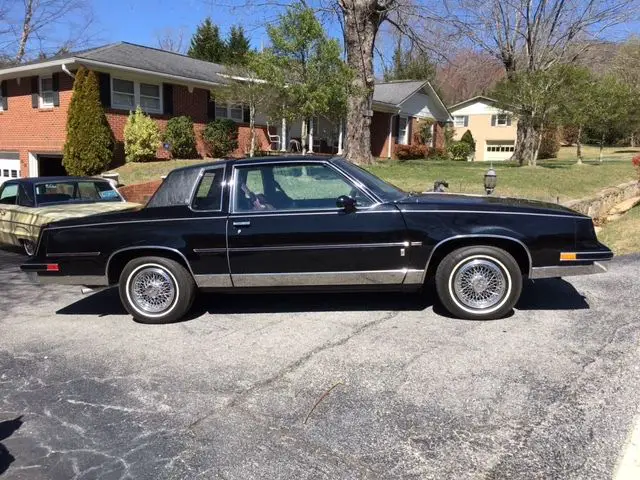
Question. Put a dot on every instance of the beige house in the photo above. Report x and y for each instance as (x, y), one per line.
(494, 130)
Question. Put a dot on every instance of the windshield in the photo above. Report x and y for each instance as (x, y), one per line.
(75, 191)
(382, 189)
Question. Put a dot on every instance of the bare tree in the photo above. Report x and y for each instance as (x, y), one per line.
(171, 39)
(535, 35)
(42, 27)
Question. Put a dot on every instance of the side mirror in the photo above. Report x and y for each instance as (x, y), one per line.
(346, 202)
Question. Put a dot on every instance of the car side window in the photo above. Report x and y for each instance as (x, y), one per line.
(24, 198)
(310, 186)
(8, 194)
(208, 196)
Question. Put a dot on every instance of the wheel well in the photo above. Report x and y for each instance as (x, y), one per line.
(119, 260)
(516, 249)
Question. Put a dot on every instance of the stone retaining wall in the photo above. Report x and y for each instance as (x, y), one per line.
(599, 205)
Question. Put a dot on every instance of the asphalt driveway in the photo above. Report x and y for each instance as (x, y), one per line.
(312, 386)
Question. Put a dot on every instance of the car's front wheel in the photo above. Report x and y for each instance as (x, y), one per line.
(156, 289)
(479, 283)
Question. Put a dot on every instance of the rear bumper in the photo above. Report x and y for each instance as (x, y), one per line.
(567, 270)
(38, 273)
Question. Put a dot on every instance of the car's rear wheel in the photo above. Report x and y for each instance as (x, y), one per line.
(29, 247)
(479, 283)
(156, 289)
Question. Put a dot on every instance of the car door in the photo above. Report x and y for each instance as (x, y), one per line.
(284, 229)
(8, 200)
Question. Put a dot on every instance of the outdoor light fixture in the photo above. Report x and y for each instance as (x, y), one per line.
(490, 180)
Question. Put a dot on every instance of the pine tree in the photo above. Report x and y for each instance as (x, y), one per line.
(206, 43)
(238, 46)
(88, 149)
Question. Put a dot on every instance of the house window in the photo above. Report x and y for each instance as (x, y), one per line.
(460, 121)
(233, 111)
(46, 92)
(502, 120)
(403, 130)
(128, 94)
(123, 94)
(150, 97)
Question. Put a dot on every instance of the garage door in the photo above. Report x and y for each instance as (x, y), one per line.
(9, 166)
(499, 150)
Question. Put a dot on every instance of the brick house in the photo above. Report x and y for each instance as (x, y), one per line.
(35, 96)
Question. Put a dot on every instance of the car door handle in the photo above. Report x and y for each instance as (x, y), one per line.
(246, 223)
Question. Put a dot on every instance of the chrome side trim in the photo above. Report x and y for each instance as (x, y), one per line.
(146, 247)
(494, 212)
(317, 247)
(457, 237)
(336, 211)
(212, 281)
(566, 271)
(415, 244)
(375, 277)
(92, 280)
(413, 277)
(73, 254)
(151, 220)
(210, 250)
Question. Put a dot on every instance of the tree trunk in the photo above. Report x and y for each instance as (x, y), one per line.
(361, 21)
(579, 146)
(538, 141)
(26, 30)
(252, 126)
(601, 147)
(303, 136)
(632, 141)
(526, 141)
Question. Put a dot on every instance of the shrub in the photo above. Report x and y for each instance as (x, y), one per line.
(467, 138)
(181, 137)
(460, 151)
(221, 137)
(635, 161)
(437, 153)
(550, 144)
(425, 135)
(88, 149)
(141, 137)
(411, 152)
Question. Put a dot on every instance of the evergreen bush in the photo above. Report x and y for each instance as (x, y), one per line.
(141, 137)
(181, 137)
(467, 138)
(88, 149)
(221, 137)
(460, 151)
(550, 144)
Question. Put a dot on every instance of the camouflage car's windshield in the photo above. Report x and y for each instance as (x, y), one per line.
(75, 192)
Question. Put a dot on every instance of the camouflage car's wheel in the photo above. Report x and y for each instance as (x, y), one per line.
(29, 247)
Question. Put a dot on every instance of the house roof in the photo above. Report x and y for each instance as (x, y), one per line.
(477, 98)
(139, 58)
(397, 92)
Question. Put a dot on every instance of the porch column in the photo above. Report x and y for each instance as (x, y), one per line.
(310, 137)
(340, 137)
(283, 136)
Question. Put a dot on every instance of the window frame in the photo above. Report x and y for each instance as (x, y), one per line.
(403, 139)
(505, 117)
(197, 183)
(455, 119)
(136, 94)
(41, 92)
(234, 181)
(4, 186)
(228, 106)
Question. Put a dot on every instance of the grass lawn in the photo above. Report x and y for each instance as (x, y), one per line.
(623, 235)
(553, 180)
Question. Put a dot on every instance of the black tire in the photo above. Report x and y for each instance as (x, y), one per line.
(468, 282)
(172, 289)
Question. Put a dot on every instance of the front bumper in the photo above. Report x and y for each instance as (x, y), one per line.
(567, 270)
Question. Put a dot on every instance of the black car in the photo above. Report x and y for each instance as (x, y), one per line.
(300, 223)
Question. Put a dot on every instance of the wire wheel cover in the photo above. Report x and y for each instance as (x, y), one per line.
(152, 290)
(480, 284)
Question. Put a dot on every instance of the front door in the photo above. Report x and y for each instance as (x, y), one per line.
(286, 230)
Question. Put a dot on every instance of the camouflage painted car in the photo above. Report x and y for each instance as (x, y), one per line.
(27, 204)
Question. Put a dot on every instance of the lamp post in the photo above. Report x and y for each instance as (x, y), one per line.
(490, 181)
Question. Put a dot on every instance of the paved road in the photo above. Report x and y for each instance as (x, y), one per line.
(550, 392)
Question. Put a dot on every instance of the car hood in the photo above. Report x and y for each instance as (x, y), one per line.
(449, 201)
